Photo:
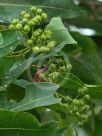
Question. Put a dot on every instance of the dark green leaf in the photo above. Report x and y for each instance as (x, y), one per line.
(6, 63)
(10, 41)
(24, 124)
(67, 9)
(36, 95)
(16, 70)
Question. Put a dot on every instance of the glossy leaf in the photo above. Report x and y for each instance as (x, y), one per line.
(10, 41)
(16, 70)
(60, 33)
(1, 39)
(36, 95)
(53, 7)
(24, 124)
(6, 63)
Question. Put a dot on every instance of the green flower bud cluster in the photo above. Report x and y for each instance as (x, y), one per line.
(78, 107)
(55, 67)
(83, 93)
(27, 20)
(78, 110)
(42, 40)
(37, 39)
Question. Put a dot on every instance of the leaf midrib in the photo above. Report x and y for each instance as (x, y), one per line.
(50, 7)
(30, 103)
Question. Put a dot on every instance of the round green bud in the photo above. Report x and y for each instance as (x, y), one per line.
(23, 13)
(26, 28)
(44, 15)
(25, 21)
(35, 49)
(29, 42)
(36, 33)
(38, 40)
(53, 66)
(39, 11)
(41, 49)
(63, 68)
(11, 27)
(18, 26)
(40, 30)
(48, 32)
(51, 44)
(15, 21)
(31, 23)
(33, 9)
(75, 102)
(42, 76)
(38, 17)
(33, 38)
(55, 75)
(46, 49)
(27, 16)
(81, 103)
(43, 37)
(87, 97)
(35, 21)
(77, 113)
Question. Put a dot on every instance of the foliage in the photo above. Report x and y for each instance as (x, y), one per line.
(50, 74)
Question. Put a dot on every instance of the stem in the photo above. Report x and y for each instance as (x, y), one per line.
(60, 95)
(21, 50)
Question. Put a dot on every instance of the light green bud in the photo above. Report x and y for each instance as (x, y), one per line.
(42, 76)
(18, 26)
(53, 66)
(63, 68)
(44, 15)
(35, 49)
(39, 11)
(15, 21)
(11, 27)
(25, 21)
(29, 42)
(27, 16)
(33, 9)
(31, 23)
(26, 28)
(51, 44)
(46, 49)
(23, 13)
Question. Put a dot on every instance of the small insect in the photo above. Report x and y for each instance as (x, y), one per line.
(39, 71)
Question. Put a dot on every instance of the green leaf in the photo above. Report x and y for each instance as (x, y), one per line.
(6, 63)
(24, 124)
(10, 41)
(16, 70)
(88, 58)
(67, 9)
(72, 82)
(60, 33)
(1, 39)
(95, 91)
(98, 126)
(36, 95)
